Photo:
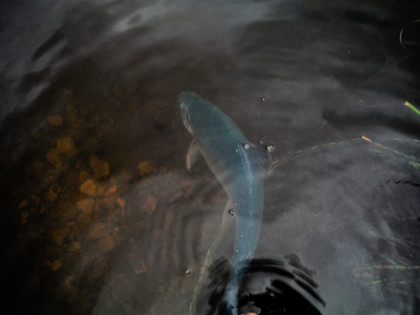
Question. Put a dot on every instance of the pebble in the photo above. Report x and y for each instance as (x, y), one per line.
(147, 167)
(66, 146)
(58, 236)
(99, 167)
(90, 187)
(111, 190)
(53, 156)
(55, 120)
(85, 205)
(56, 265)
(106, 243)
(97, 231)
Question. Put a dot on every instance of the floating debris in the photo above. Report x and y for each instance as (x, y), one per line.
(411, 106)
(269, 147)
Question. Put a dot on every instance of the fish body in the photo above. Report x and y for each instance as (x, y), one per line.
(239, 166)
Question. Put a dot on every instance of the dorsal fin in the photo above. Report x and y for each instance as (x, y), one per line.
(259, 158)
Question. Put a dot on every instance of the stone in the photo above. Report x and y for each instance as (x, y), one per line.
(66, 146)
(106, 243)
(121, 202)
(23, 204)
(85, 205)
(84, 222)
(97, 231)
(55, 120)
(89, 187)
(111, 190)
(67, 211)
(76, 246)
(83, 175)
(56, 265)
(99, 167)
(147, 167)
(58, 236)
(53, 156)
(52, 194)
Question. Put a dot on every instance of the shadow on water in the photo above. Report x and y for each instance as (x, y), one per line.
(99, 215)
(269, 287)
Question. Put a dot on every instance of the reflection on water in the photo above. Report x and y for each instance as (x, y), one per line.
(99, 215)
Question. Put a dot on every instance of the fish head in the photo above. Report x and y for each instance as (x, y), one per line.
(196, 112)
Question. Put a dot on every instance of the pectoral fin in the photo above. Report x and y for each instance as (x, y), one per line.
(192, 154)
(259, 159)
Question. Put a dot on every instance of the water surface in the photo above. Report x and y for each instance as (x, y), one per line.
(100, 216)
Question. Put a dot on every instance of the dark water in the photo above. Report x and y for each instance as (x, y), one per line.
(100, 216)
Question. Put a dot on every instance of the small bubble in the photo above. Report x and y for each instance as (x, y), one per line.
(263, 99)
(187, 271)
(269, 147)
(231, 212)
(246, 146)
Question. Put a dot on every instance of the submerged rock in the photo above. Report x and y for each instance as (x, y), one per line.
(53, 156)
(56, 265)
(55, 120)
(99, 167)
(98, 230)
(90, 187)
(86, 205)
(106, 243)
(66, 146)
(58, 236)
(147, 167)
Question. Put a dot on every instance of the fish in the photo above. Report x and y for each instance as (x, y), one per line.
(240, 167)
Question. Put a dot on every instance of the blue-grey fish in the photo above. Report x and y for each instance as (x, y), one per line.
(240, 167)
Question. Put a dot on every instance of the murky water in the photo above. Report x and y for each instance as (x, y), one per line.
(100, 216)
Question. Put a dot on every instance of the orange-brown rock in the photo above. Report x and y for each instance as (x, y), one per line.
(66, 146)
(55, 120)
(147, 167)
(89, 187)
(111, 190)
(98, 230)
(53, 156)
(56, 265)
(106, 243)
(99, 167)
(85, 205)
(58, 236)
